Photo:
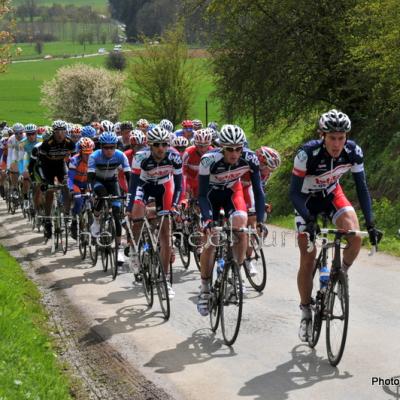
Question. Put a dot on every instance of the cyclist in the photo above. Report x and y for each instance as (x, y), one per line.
(315, 188)
(167, 124)
(179, 143)
(143, 125)
(220, 187)
(138, 142)
(77, 178)
(186, 131)
(124, 139)
(15, 156)
(3, 158)
(50, 158)
(27, 144)
(197, 124)
(269, 160)
(102, 176)
(157, 173)
(191, 160)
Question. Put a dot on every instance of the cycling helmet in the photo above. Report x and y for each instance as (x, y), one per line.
(166, 124)
(203, 136)
(158, 135)
(231, 135)
(142, 123)
(117, 127)
(59, 125)
(334, 121)
(88, 131)
(76, 129)
(126, 126)
(41, 130)
(187, 124)
(30, 128)
(138, 138)
(269, 157)
(18, 128)
(106, 126)
(86, 145)
(108, 138)
(96, 125)
(151, 126)
(180, 141)
(197, 124)
(213, 125)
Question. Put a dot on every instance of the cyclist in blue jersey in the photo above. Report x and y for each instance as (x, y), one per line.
(157, 173)
(315, 189)
(103, 169)
(220, 187)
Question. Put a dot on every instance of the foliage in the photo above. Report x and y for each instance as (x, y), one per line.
(28, 366)
(5, 37)
(163, 80)
(116, 60)
(81, 94)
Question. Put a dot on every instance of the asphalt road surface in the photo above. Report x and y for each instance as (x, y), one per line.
(267, 361)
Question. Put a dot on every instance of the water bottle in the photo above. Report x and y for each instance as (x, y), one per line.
(324, 277)
(220, 265)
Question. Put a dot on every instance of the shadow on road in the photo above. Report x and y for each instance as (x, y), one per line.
(303, 370)
(202, 346)
(127, 319)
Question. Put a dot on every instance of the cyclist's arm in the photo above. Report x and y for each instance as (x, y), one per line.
(134, 183)
(177, 188)
(364, 197)
(10, 157)
(91, 172)
(71, 175)
(259, 195)
(297, 197)
(204, 181)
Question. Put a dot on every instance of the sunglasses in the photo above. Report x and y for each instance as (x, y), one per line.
(108, 147)
(232, 149)
(30, 133)
(181, 148)
(160, 144)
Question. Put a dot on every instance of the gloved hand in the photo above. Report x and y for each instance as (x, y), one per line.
(375, 235)
(208, 225)
(312, 229)
(262, 229)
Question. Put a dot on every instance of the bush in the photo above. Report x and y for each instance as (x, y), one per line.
(116, 60)
(81, 94)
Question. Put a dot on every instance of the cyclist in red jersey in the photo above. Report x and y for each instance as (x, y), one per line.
(269, 160)
(191, 160)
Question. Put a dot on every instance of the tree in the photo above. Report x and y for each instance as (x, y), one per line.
(5, 38)
(80, 94)
(163, 80)
(39, 47)
(116, 60)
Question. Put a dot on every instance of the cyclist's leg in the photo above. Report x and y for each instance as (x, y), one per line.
(251, 216)
(26, 184)
(345, 218)
(99, 190)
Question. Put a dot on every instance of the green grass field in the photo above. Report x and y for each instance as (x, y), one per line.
(100, 5)
(28, 366)
(20, 90)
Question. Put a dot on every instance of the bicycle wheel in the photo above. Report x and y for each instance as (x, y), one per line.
(64, 233)
(112, 248)
(147, 278)
(83, 235)
(104, 258)
(337, 317)
(161, 285)
(231, 302)
(259, 280)
(317, 318)
(184, 250)
(215, 301)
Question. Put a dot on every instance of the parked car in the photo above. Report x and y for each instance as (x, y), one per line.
(102, 50)
(117, 47)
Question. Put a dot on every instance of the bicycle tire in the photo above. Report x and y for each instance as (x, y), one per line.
(64, 233)
(215, 302)
(231, 289)
(337, 293)
(147, 278)
(83, 241)
(317, 318)
(161, 286)
(258, 256)
(184, 251)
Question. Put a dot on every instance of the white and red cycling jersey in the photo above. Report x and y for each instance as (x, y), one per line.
(191, 161)
(248, 194)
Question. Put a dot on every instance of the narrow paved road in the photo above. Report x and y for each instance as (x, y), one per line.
(267, 362)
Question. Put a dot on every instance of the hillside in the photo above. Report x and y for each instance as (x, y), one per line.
(96, 4)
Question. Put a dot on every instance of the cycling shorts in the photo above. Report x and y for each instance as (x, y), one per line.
(162, 193)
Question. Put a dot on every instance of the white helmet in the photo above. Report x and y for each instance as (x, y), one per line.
(269, 157)
(203, 136)
(179, 141)
(166, 124)
(334, 121)
(107, 126)
(158, 135)
(231, 135)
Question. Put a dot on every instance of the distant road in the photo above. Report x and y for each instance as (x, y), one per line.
(59, 58)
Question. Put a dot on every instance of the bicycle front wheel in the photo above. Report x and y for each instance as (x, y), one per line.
(337, 317)
(231, 302)
(161, 286)
(258, 280)
(147, 279)
(317, 313)
(184, 250)
(64, 233)
(215, 302)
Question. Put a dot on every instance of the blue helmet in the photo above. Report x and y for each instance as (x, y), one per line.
(151, 126)
(88, 131)
(29, 128)
(108, 138)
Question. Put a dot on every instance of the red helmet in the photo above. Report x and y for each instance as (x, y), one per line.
(86, 145)
(187, 124)
(269, 157)
(41, 130)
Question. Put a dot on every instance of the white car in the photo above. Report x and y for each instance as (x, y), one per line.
(117, 47)
(101, 51)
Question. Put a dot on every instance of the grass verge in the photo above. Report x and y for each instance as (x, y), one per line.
(28, 364)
